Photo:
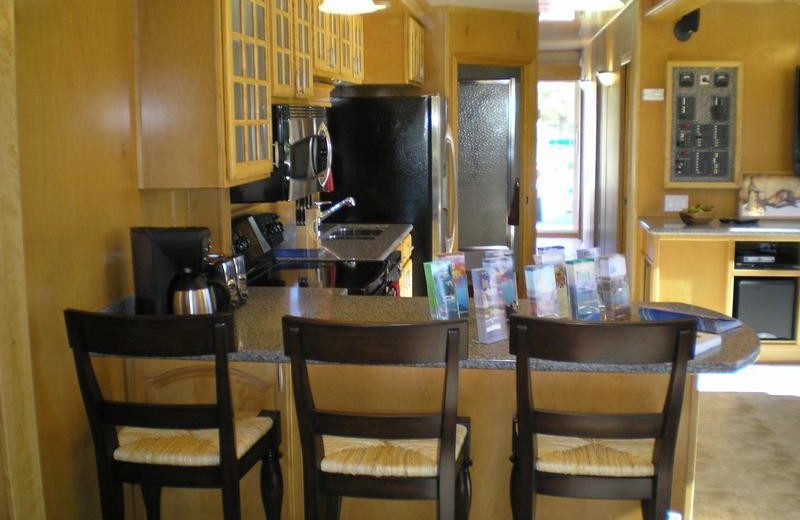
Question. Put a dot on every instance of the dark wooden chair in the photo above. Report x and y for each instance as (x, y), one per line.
(378, 456)
(593, 455)
(159, 445)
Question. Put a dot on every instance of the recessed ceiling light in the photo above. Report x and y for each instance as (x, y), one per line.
(350, 6)
(589, 6)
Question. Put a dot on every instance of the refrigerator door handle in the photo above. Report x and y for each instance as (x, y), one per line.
(450, 241)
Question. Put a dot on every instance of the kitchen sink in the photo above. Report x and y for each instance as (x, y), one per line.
(353, 232)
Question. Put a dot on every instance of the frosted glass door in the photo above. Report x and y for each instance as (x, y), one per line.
(485, 161)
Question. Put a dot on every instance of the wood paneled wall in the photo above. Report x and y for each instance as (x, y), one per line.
(20, 476)
(80, 196)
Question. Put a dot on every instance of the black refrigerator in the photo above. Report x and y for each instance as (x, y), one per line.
(395, 156)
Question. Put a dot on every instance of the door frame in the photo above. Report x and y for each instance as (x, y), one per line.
(21, 488)
(526, 111)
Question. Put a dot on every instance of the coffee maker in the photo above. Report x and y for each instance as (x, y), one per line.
(159, 254)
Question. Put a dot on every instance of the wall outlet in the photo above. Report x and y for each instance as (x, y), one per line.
(675, 202)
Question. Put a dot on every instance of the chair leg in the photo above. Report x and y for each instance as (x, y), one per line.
(152, 501)
(231, 508)
(112, 501)
(272, 484)
(513, 483)
(463, 489)
(333, 507)
(523, 494)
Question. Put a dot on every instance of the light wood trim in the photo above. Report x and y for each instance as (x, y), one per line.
(737, 159)
(21, 492)
(767, 273)
(559, 71)
(670, 9)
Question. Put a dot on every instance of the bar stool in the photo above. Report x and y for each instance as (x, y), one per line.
(422, 456)
(158, 445)
(593, 455)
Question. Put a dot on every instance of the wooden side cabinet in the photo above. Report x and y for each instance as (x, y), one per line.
(394, 49)
(203, 92)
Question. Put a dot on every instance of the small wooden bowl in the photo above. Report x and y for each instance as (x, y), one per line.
(697, 219)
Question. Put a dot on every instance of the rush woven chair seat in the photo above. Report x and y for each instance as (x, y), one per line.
(172, 445)
(408, 456)
(596, 455)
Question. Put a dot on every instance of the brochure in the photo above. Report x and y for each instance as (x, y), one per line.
(583, 289)
(556, 259)
(502, 268)
(591, 252)
(540, 285)
(613, 286)
(441, 290)
(459, 272)
(490, 315)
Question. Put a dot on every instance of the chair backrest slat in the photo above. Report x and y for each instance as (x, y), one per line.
(633, 426)
(616, 343)
(374, 343)
(149, 335)
(160, 415)
(382, 426)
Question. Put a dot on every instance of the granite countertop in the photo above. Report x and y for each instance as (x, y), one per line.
(260, 337)
(378, 248)
(675, 226)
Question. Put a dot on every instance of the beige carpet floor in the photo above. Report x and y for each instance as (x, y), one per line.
(748, 460)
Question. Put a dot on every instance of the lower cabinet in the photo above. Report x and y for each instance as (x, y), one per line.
(406, 281)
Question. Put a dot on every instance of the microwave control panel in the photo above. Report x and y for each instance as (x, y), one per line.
(703, 125)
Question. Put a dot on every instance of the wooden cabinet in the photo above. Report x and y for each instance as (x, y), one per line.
(416, 51)
(406, 281)
(346, 46)
(291, 48)
(326, 43)
(394, 49)
(358, 48)
(203, 125)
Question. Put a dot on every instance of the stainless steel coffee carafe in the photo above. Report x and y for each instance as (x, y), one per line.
(192, 294)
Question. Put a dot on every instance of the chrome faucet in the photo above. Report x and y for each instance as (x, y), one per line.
(349, 201)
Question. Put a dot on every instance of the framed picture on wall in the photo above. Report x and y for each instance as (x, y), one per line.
(770, 196)
(703, 135)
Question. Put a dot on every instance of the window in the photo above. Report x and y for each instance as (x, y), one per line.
(558, 183)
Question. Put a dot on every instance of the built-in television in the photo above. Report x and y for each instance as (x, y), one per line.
(796, 150)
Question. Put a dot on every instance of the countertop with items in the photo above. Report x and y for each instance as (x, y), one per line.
(260, 337)
(675, 226)
(370, 242)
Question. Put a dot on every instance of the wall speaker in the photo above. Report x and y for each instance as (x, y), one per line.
(688, 25)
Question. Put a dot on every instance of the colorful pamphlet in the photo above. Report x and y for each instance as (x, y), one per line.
(590, 252)
(583, 289)
(556, 259)
(441, 290)
(549, 249)
(613, 287)
(490, 314)
(540, 285)
(459, 272)
(502, 268)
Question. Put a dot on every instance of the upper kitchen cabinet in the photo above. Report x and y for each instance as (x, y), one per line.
(204, 92)
(338, 46)
(394, 49)
(291, 48)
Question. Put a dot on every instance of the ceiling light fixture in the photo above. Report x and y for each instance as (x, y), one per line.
(350, 6)
(590, 6)
(606, 77)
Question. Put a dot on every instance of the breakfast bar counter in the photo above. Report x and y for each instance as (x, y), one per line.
(260, 337)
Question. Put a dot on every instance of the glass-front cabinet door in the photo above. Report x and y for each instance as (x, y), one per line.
(358, 49)
(303, 57)
(346, 46)
(283, 77)
(321, 40)
(247, 88)
(333, 41)
(416, 51)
